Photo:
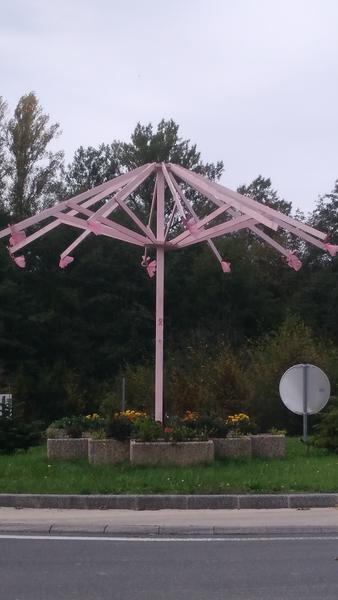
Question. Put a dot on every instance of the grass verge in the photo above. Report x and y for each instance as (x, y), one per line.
(303, 470)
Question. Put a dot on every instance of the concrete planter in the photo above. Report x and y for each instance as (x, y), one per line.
(54, 433)
(102, 452)
(232, 447)
(67, 449)
(170, 453)
(268, 446)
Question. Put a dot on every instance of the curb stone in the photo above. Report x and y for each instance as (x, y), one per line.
(158, 531)
(166, 501)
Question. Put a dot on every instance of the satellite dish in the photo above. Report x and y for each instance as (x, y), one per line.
(305, 390)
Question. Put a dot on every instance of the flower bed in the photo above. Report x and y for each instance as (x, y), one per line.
(232, 447)
(109, 451)
(268, 446)
(171, 453)
(67, 449)
(56, 433)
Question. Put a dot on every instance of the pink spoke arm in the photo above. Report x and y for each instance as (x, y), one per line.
(93, 194)
(203, 186)
(169, 224)
(297, 232)
(123, 194)
(105, 210)
(174, 194)
(270, 241)
(108, 222)
(301, 234)
(104, 230)
(214, 250)
(120, 200)
(190, 208)
(153, 201)
(274, 214)
(74, 244)
(199, 222)
(218, 230)
(102, 218)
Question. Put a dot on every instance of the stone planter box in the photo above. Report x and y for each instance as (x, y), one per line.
(102, 452)
(170, 453)
(268, 446)
(232, 447)
(67, 449)
(54, 433)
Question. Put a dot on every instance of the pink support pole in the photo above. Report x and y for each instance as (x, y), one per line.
(159, 299)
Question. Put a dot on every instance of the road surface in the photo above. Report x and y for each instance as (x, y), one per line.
(257, 568)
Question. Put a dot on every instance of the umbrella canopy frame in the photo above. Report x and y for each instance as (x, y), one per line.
(177, 226)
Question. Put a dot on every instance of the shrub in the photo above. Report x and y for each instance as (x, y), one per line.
(120, 428)
(208, 425)
(207, 379)
(77, 424)
(17, 435)
(326, 430)
(240, 424)
(182, 433)
(72, 425)
(92, 422)
(269, 358)
(148, 430)
(131, 415)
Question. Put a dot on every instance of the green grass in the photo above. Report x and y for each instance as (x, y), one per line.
(302, 470)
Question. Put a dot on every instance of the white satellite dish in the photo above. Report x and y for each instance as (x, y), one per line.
(305, 390)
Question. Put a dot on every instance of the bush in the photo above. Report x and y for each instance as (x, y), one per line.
(207, 379)
(120, 428)
(148, 430)
(326, 430)
(17, 435)
(269, 358)
(77, 424)
(208, 425)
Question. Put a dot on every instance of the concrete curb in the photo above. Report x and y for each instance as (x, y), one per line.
(175, 502)
(102, 530)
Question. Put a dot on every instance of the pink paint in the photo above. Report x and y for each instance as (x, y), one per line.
(16, 237)
(151, 268)
(331, 249)
(65, 261)
(20, 261)
(226, 266)
(94, 227)
(191, 225)
(293, 261)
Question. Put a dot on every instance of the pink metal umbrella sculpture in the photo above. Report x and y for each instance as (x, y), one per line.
(177, 226)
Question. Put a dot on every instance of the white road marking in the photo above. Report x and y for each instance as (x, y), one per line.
(158, 539)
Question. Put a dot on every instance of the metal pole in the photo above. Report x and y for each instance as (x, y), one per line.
(123, 399)
(159, 298)
(305, 369)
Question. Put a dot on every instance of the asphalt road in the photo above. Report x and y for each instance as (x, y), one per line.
(250, 569)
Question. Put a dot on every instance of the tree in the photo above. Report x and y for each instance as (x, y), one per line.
(164, 145)
(3, 156)
(325, 215)
(90, 167)
(34, 170)
(261, 190)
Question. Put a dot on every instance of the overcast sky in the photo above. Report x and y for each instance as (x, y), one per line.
(252, 82)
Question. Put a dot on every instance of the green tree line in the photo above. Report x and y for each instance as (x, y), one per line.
(68, 336)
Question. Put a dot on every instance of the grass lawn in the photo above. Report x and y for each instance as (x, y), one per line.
(302, 470)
